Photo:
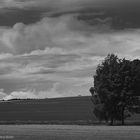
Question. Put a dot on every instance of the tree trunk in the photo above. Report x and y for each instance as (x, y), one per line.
(122, 115)
(112, 121)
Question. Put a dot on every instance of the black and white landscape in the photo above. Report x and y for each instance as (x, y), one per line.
(51, 49)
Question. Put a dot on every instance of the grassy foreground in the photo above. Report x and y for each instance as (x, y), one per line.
(69, 132)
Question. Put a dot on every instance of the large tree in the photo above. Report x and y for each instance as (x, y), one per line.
(115, 86)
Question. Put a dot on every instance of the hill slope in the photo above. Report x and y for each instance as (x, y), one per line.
(50, 110)
(62, 109)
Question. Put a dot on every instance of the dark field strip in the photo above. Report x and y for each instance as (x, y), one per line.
(78, 110)
(62, 109)
(70, 132)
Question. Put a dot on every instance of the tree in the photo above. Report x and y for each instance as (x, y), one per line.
(115, 84)
(99, 110)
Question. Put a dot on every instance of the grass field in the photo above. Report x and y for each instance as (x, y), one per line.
(71, 110)
(60, 109)
(69, 132)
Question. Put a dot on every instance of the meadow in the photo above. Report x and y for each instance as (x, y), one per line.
(47, 110)
(69, 132)
(71, 110)
(43, 115)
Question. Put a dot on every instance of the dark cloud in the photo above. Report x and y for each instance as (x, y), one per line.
(124, 14)
(11, 16)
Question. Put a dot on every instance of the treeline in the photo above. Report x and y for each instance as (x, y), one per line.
(116, 90)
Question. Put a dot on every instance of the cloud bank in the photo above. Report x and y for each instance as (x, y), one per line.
(57, 56)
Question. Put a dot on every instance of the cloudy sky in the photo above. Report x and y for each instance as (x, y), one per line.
(51, 48)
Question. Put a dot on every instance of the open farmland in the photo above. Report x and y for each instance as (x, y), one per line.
(60, 109)
(72, 110)
(72, 132)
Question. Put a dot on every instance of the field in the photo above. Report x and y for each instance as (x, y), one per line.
(71, 110)
(60, 109)
(69, 132)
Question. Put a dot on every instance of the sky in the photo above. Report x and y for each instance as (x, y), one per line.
(51, 48)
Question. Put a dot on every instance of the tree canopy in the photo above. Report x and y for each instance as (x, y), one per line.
(116, 88)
